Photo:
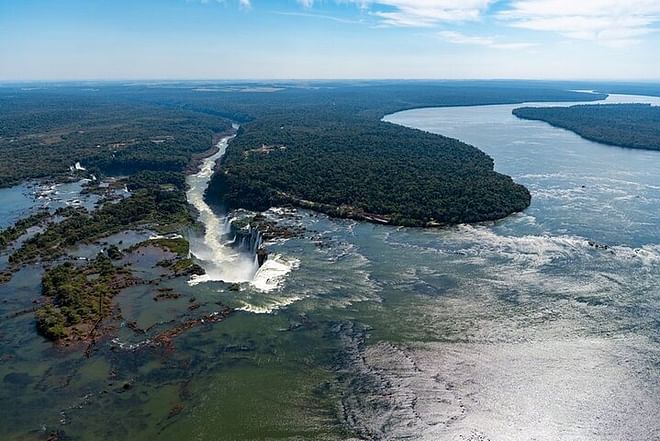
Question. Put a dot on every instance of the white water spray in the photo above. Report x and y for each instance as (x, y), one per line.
(218, 253)
(217, 257)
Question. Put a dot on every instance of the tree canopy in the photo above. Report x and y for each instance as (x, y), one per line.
(626, 125)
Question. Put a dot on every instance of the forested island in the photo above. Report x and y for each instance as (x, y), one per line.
(634, 126)
(364, 169)
(328, 150)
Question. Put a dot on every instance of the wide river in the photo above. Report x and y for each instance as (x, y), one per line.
(543, 326)
(561, 340)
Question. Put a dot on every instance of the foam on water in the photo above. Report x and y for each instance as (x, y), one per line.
(223, 261)
(272, 273)
(220, 261)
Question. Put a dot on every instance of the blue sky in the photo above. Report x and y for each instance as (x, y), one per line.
(262, 39)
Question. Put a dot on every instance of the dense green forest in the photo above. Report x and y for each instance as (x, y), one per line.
(78, 296)
(626, 125)
(315, 144)
(43, 135)
(328, 150)
(357, 167)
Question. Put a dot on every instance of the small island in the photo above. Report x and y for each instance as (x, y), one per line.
(635, 126)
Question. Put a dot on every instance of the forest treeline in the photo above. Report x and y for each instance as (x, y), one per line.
(626, 125)
(42, 136)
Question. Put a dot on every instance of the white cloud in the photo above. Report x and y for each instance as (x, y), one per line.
(430, 12)
(609, 22)
(246, 4)
(473, 40)
(420, 13)
(319, 16)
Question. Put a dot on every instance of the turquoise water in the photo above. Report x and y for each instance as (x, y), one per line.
(544, 325)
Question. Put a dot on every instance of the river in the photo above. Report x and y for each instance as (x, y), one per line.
(220, 260)
(540, 326)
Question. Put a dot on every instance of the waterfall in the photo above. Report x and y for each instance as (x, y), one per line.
(228, 253)
(220, 258)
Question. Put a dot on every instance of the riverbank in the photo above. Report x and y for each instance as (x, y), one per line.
(635, 126)
(376, 172)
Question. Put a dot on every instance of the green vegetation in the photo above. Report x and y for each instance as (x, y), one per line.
(114, 252)
(627, 125)
(78, 296)
(12, 233)
(42, 134)
(149, 205)
(315, 145)
(182, 266)
(178, 246)
(356, 167)
(326, 149)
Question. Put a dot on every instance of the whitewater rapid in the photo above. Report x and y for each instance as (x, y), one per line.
(216, 251)
(216, 256)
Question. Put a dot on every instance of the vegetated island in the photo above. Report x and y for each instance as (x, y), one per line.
(364, 169)
(634, 126)
(329, 151)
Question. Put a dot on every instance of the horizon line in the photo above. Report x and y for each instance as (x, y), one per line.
(346, 79)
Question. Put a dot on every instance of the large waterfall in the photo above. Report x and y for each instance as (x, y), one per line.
(219, 255)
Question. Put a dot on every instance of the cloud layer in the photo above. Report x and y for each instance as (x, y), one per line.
(419, 13)
(430, 12)
(472, 40)
(610, 22)
(616, 23)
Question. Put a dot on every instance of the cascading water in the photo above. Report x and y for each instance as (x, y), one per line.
(220, 257)
(229, 254)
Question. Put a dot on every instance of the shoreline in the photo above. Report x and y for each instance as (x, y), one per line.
(347, 212)
(585, 137)
(197, 159)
